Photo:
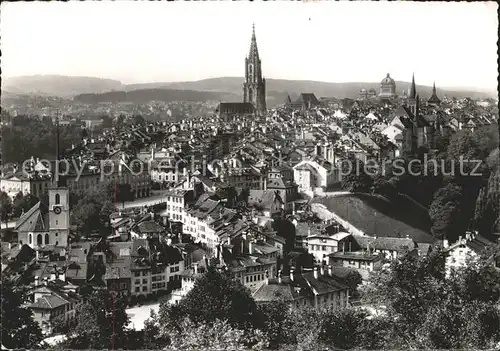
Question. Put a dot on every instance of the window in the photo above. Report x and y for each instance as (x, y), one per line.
(39, 239)
(57, 199)
(144, 288)
(137, 274)
(137, 289)
(31, 239)
(57, 222)
(144, 281)
(46, 239)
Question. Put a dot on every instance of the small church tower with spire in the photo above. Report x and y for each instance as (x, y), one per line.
(413, 98)
(434, 100)
(254, 87)
(59, 219)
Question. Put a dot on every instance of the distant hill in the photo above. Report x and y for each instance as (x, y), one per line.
(321, 89)
(277, 89)
(144, 95)
(54, 85)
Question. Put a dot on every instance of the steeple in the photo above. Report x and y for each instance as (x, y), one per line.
(56, 179)
(254, 52)
(434, 100)
(413, 90)
(254, 87)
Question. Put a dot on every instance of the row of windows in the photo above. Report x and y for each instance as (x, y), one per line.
(175, 199)
(175, 208)
(254, 278)
(174, 269)
(158, 286)
(176, 217)
(40, 241)
(167, 177)
(322, 248)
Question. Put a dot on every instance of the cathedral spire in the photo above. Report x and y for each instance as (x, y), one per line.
(253, 44)
(413, 90)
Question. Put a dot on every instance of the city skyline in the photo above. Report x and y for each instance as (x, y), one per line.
(443, 50)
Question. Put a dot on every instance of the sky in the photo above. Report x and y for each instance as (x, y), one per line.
(452, 43)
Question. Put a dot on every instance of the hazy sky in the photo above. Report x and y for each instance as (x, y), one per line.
(451, 43)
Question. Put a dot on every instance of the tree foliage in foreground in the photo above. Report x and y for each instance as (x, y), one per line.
(18, 328)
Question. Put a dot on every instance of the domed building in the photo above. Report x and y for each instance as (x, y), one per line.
(387, 88)
(372, 93)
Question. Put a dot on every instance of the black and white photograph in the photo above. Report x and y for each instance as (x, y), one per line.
(249, 175)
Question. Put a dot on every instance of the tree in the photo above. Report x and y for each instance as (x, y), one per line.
(138, 120)
(124, 193)
(353, 280)
(354, 177)
(215, 296)
(220, 335)
(92, 211)
(445, 212)
(101, 322)
(154, 339)
(23, 203)
(229, 193)
(5, 206)
(431, 310)
(19, 330)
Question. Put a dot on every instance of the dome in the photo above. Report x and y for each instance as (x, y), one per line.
(363, 90)
(388, 80)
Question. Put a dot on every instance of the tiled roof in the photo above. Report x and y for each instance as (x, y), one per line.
(384, 243)
(49, 302)
(150, 227)
(355, 256)
(35, 220)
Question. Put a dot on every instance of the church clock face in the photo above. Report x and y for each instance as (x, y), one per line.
(57, 210)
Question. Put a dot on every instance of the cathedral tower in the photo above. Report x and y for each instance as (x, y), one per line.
(254, 88)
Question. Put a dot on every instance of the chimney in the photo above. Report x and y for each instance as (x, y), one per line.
(468, 236)
(460, 241)
(315, 273)
(322, 270)
(37, 255)
(250, 247)
(45, 281)
(37, 282)
(330, 271)
(279, 276)
(62, 277)
(195, 266)
(10, 246)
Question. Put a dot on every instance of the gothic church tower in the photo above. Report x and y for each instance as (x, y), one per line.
(254, 88)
